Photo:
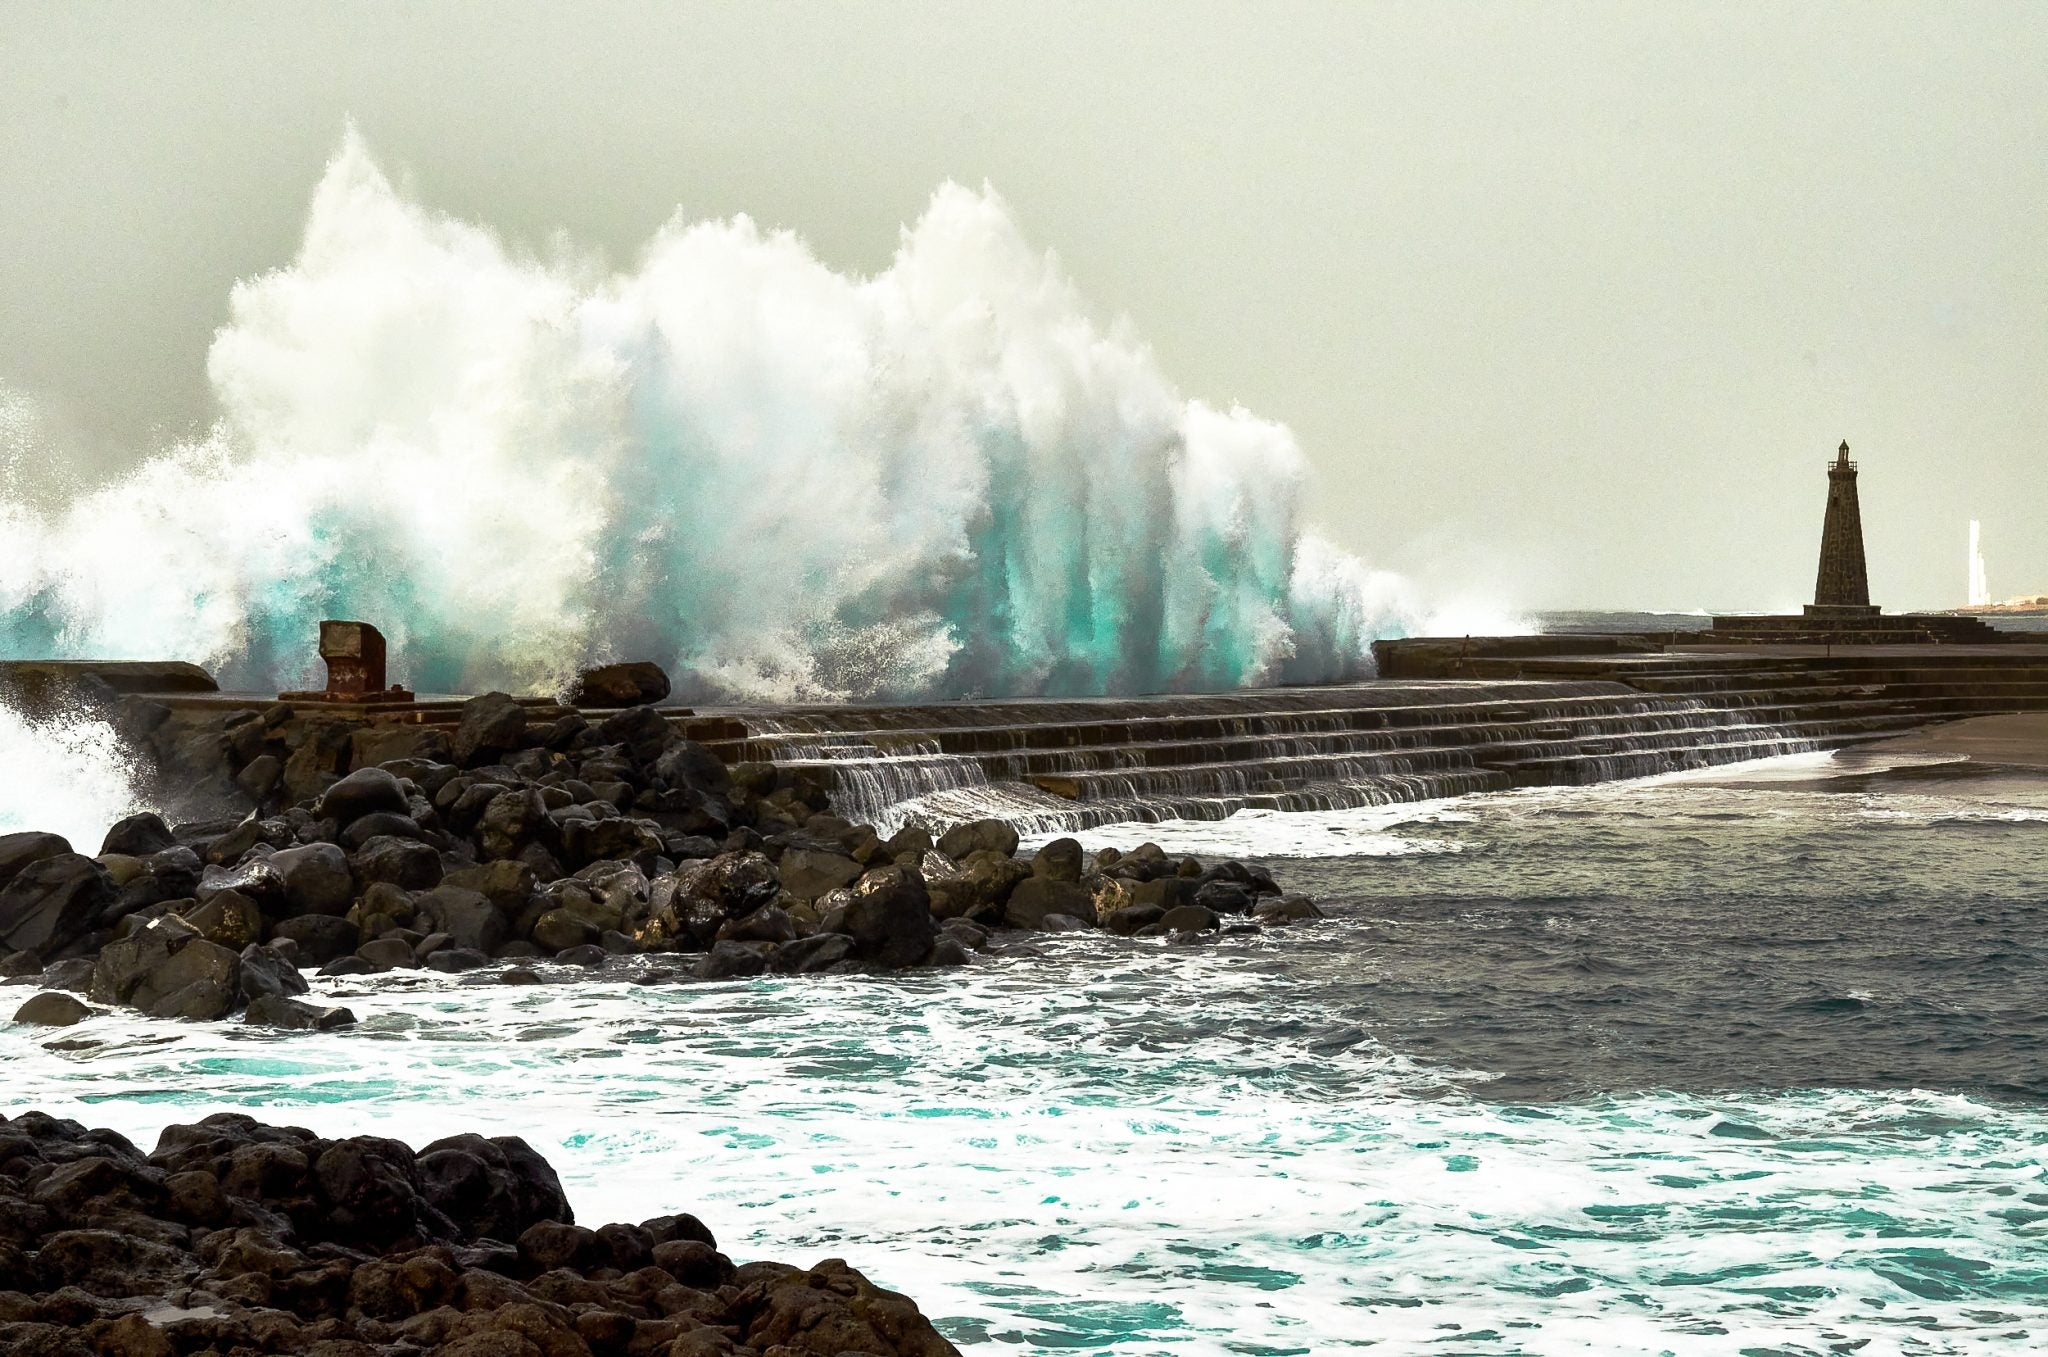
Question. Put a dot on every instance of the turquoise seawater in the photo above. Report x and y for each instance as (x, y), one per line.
(1263, 1146)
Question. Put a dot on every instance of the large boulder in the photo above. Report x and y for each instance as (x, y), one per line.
(199, 981)
(1039, 897)
(614, 840)
(993, 836)
(320, 938)
(1062, 860)
(686, 763)
(495, 1188)
(21, 850)
(976, 889)
(138, 836)
(292, 1015)
(468, 917)
(366, 791)
(52, 1008)
(620, 685)
(125, 963)
(643, 730)
(52, 902)
(510, 821)
(491, 725)
(229, 918)
(829, 1310)
(317, 879)
(266, 971)
(889, 918)
(506, 883)
(407, 863)
(809, 873)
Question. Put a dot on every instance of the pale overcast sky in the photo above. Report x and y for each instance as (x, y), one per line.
(1571, 300)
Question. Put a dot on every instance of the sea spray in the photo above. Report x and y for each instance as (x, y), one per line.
(780, 480)
(64, 774)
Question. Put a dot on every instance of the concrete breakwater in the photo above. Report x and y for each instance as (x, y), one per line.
(1447, 717)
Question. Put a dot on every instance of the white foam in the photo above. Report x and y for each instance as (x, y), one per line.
(70, 776)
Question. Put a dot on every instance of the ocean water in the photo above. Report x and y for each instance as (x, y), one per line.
(1742, 1064)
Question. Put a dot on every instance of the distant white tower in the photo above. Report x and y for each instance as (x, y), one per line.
(1980, 591)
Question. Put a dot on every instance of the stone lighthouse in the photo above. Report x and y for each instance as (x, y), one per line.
(1842, 588)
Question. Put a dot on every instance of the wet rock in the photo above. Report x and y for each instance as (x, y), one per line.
(1225, 897)
(347, 965)
(229, 918)
(614, 840)
(1062, 860)
(367, 791)
(808, 956)
(18, 851)
(52, 1008)
(686, 763)
(138, 836)
(316, 877)
(559, 929)
(402, 862)
(620, 685)
(388, 954)
(808, 874)
(454, 960)
(319, 938)
(468, 917)
(491, 725)
(124, 964)
(1190, 919)
(509, 823)
(52, 901)
(947, 951)
(73, 974)
(275, 1010)
(1039, 897)
(1063, 923)
(380, 824)
(831, 1309)
(1132, 918)
(508, 884)
(889, 918)
(994, 836)
(1288, 909)
(266, 971)
(978, 888)
(388, 744)
(770, 923)
(733, 960)
(197, 982)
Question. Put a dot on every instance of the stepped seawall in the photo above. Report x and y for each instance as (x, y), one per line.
(1446, 717)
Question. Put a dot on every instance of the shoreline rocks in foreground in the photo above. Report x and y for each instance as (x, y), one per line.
(238, 1238)
(571, 841)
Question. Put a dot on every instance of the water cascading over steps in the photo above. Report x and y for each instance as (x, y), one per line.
(1065, 765)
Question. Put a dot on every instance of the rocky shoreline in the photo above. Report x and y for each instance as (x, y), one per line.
(242, 1239)
(516, 842)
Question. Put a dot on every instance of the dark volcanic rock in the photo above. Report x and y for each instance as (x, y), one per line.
(406, 863)
(468, 917)
(53, 901)
(992, 835)
(138, 836)
(320, 938)
(52, 1008)
(889, 918)
(265, 971)
(317, 879)
(491, 725)
(620, 685)
(1039, 896)
(20, 850)
(275, 1010)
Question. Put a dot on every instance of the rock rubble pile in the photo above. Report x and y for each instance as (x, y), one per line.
(238, 1239)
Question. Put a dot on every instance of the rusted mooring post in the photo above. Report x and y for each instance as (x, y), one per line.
(354, 652)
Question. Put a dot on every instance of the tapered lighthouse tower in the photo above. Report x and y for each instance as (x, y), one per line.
(1842, 588)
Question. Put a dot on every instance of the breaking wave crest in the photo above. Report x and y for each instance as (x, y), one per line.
(781, 481)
